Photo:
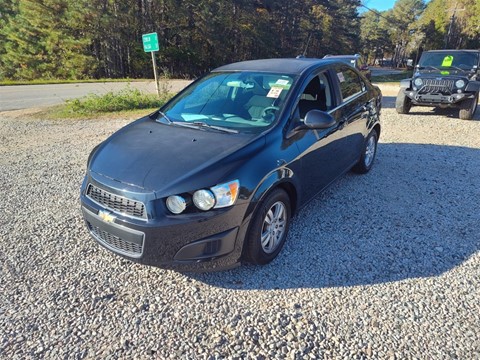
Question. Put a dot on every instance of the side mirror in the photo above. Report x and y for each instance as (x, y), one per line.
(364, 68)
(316, 119)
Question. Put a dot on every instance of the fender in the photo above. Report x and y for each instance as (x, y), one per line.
(473, 86)
(278, 177)
(405, 84)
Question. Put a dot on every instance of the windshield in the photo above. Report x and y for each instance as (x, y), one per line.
(458, 60)
(240, 102)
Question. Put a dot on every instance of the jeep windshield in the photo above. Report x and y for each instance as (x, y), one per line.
(247, 102)
(445, 61)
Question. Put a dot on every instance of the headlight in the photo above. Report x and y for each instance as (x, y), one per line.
(219, 196)
(204, 199)
(418, 82)
(176, 204)
(460, 83)
(226, 194)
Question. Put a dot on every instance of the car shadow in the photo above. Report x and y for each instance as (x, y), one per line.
(388, 102)
(416, 214)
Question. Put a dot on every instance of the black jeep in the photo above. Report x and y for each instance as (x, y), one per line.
(443, 78)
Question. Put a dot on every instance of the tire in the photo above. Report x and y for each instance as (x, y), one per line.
(365, 162)
(276, 208)
(403, 104)
(468, 108)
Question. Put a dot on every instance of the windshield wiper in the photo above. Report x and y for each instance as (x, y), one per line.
(215, 127)
(429, 66)
(163, 116)
(457, 68)
(201, 124)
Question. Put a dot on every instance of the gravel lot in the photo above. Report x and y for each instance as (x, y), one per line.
(381, 266)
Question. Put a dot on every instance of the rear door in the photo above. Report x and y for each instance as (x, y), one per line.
(352, 112)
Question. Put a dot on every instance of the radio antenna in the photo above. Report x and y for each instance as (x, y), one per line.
(308, 43)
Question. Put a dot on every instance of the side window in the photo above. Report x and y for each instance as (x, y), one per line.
(317, 95)
(350, 83)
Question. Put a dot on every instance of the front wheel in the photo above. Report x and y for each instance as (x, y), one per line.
(268, 228)
(403, 104)
(468, 108)
(368, 155)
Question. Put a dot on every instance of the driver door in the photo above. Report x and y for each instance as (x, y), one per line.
(320, 150)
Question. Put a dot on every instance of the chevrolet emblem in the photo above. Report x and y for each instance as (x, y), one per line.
(106, 216)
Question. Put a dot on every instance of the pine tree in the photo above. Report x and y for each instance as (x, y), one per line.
(47, 40)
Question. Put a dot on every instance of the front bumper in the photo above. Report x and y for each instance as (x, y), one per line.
(188, 242)
(429, 99)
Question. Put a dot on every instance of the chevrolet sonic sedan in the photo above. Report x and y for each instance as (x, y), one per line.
(214, 177)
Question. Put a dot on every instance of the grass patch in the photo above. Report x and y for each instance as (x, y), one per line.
(391, 77)
(58, 81)
(127, 101)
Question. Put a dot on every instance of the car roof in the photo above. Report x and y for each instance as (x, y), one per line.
(342, 56)
(286, 66)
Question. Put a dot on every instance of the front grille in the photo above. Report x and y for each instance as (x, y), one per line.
(436, 86)
(116, 243)
(116, 203)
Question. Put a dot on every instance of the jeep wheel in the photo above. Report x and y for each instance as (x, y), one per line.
(468, 108)
(403, 104)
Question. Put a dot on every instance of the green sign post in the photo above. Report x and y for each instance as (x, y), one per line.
(150, 44)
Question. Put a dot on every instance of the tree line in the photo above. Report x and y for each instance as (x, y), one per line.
(413, 26)
(77, 39)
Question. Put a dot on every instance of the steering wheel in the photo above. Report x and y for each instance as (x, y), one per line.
(267, 113)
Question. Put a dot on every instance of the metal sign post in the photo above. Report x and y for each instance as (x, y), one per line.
(150, 44)
(154, 62)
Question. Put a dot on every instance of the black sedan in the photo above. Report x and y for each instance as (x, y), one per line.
(215, 176)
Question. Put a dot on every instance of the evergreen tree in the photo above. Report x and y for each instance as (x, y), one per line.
(46, 40)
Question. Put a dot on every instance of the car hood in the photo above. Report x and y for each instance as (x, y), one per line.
(157, 157)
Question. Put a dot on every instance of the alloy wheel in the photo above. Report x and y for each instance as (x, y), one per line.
(370, 151)
(273, 228)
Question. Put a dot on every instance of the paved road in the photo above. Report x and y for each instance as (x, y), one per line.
(29, 96)
(377, 71)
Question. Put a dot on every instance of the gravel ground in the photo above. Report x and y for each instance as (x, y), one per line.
(381, 266)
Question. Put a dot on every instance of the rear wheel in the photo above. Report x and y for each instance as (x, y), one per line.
(268, 228)
(403, 104)
(468, 108)
(368, 156)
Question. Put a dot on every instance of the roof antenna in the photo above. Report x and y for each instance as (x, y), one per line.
(308, 43)
(306, 48)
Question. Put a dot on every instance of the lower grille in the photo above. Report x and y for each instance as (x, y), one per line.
(116, 243)
(116, 203)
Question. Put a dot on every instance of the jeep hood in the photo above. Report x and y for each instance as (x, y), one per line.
(438, 73)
